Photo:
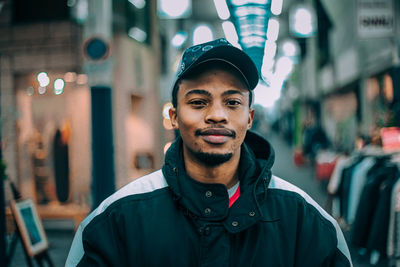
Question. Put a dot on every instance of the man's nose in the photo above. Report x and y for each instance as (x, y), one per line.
(216, 113)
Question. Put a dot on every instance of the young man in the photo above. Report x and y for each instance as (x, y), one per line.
(215, 201)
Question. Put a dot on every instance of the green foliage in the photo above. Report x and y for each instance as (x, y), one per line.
(3, 170)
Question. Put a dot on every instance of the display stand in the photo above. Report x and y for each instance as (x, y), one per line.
(28, 229)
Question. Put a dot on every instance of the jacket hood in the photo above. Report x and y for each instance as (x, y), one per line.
(261, 148)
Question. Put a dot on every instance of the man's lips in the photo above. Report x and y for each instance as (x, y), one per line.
(217, 131)
(216, 135)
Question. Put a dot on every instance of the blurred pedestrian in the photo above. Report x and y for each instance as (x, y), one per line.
(314, 140)
(215, 201)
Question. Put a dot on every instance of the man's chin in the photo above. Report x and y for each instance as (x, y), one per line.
(212, 159)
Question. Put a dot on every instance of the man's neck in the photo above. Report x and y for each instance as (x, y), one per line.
(226, 173)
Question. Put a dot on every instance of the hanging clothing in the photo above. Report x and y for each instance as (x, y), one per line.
(369, 199)
(357, 183)
(378, 236)
(336, 177)
(393, 245)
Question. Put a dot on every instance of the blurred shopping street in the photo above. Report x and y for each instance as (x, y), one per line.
(85, 90)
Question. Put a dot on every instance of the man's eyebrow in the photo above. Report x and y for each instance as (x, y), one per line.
(232, 92)
(199, 92)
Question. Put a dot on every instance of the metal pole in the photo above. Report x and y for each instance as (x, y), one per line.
(3, 256)
(100, 80)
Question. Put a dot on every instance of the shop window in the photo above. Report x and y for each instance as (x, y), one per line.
(380, 95)
(324, 26)
(163, 54)
(132, 17)
(387, 89)
(144, 161)
(372, 88)
(136, 103)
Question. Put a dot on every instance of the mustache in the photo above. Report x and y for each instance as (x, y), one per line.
(215, 130)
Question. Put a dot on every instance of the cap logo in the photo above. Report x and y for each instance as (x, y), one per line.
(207, 47)
(196, 48)
(181, 68)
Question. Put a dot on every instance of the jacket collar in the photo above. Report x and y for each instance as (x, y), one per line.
(210, 201)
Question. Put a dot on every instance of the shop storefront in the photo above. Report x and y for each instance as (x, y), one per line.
(53, 141)
(380, 102)
(341, 116)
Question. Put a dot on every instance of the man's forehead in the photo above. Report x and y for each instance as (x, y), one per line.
(211, 92)
(215, 68)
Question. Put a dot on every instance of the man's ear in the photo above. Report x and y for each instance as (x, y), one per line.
(173, 117)
(251, 119)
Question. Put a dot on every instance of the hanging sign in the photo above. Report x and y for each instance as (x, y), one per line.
(390, 139)
(375, 18)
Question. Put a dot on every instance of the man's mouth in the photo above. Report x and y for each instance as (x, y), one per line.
(216, 135)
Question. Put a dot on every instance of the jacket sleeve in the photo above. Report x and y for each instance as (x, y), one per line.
(320, 240)
(97, 242)
(337, 259)
(76, 251)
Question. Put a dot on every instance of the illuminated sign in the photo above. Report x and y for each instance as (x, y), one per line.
(375, 18)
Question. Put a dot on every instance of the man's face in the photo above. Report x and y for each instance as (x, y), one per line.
(212, 116)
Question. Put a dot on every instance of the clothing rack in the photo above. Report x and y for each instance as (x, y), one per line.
(365, 192)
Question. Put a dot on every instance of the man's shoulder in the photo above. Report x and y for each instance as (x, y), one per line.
(281, 185)
(137, 189)
(287, 192)
(144, 184)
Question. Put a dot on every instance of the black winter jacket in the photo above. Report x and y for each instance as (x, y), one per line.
(168, 219)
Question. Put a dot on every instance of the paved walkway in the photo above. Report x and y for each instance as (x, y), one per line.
(303, 176)
(60, 242)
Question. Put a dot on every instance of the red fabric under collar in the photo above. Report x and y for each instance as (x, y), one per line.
(235, 196)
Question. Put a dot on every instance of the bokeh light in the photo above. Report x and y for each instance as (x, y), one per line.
(42, 90)
(30, 91)
(43, 79)
(201, 34)
(179, 39)
(59, 86)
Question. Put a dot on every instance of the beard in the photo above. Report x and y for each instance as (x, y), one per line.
(212, 160)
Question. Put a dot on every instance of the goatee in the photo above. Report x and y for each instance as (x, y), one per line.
(212, 160)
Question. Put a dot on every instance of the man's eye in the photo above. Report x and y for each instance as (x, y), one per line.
(233, 103)
(197, 103)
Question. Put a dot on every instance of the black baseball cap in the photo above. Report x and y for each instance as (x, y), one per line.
(217, 50)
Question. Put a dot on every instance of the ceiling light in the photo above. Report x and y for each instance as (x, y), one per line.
(201, 34)
(137, 34)
(230, 32)
(246, 2)
(289, 48)
(302, 21)
(270, 49)
(179, 39)
(174, 9)
(250, 10)
(273, 29)
(276, 7)
(222, 9)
